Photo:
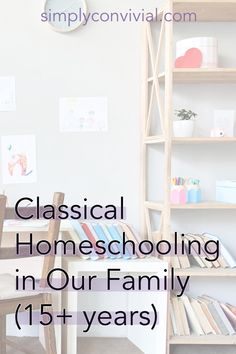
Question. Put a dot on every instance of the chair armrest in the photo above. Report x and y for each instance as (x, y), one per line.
(10, 213)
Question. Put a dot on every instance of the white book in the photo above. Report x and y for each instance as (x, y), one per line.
(231, 316)
(211, 320)
(223, 251)
(175, 262)
(178, 319)
(172, 316)
(184, 318)
(195, 255)
(207, 328)
(193, 320)
(203, 254)
(133, 237)
(224, 318)
(221, 316)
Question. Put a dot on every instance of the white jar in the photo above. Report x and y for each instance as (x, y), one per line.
(183, 128)
(207, 45)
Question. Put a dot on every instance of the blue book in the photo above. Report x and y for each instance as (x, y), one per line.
(101, 236)
(128, 246)
(114, 247)
(116, 236)
(83, 237)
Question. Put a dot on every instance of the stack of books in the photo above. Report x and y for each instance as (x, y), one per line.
(201, 316)
(201, 259)
(106, 233)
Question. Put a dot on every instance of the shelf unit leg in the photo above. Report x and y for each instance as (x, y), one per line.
(144, 93)
(168, 140)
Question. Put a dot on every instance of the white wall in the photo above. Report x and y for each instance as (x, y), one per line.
(97, 60)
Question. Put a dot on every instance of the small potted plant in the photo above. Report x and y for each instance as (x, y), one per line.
(183, 127)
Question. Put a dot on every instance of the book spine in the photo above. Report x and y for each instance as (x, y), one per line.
(114, 247)
(103, 244)
(83, 237)
(102, 236)
(224, 318)
(91, 239)
(131, 236)
(191, 316)
(116, 236)
(122, 234)
(223, 250)
(218, 319)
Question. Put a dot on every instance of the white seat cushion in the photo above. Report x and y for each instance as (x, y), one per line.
(8, 288)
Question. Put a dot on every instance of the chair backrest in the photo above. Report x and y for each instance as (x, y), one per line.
(3, 202)
(53, 234)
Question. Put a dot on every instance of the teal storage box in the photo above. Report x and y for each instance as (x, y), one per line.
(226, 191)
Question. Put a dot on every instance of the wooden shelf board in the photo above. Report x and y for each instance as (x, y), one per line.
(218, 75)
(197, 206)
(207, 10)
(204, 340)
(194, 140)
(154, 206)
(203, 140)
(156, 139)
(206, 272)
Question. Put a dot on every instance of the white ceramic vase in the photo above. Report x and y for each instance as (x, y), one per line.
(183, 128)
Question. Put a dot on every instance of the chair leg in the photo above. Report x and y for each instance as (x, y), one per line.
(49, 331)
(3, 346)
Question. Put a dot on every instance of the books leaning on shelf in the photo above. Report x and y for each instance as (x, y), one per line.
(201, 315)
(200, 251)
(104, 234)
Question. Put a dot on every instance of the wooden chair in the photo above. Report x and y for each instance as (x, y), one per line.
(9, 299)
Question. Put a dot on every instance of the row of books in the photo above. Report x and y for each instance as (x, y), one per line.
(107, 232)
(200, 259)
(189, 250)
(201, 316)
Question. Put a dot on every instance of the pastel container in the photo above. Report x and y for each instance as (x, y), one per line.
(226, 191)
(194, 194)
(207, 45)
(178, 195)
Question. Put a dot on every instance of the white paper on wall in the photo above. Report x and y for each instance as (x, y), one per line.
(7, 93)
(19, 159)
(83, 114)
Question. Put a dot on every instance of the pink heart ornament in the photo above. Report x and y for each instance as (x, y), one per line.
(191, 59)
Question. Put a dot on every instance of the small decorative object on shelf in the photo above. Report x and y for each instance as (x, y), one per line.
(207, 46)
(193, 190)
(224, 121)
(178, 191)
(226, 191)
(184, 126)
(217, 133)
(185, 191)
(192, 58)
